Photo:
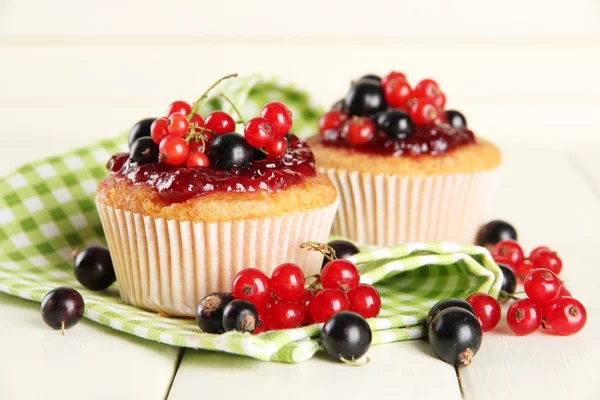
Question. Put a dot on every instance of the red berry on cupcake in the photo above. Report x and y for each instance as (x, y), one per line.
(259, 132)
(279, 116)
(397, 92)
(219, 122)
(178, 125)
(179, 107)
(173, 150)
(197, 160)
(332, 120)
(359, 131)
(429, 89)
(159, 129)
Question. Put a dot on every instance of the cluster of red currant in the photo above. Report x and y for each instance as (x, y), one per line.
(284, 301)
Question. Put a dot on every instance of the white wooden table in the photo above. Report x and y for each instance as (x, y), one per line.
(552, 197)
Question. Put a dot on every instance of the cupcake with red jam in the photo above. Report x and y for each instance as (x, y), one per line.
(193, 203)
(406, 168)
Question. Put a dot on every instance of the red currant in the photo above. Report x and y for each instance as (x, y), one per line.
(510, 249)
(564, 292)
(332, 120)
(173, 150)
(523, 269)
(196, 146)
(541, 286)
(263, 321)
(197, 160)
(180, 107)
(487, 310)
(197, 121)
(429, 89)
(340, 274)
(285, 314)
(159, 129)
(537, 252)
(287, 281)
(392, 76)
(397, 92)
(305, 299)
(365, 301)
(523, 317)
(279, 116)
(506, 261)
(278, 147)
(253, 285)
(219, 122)
(422, 111)
(326, 303)
(550, 261)
(259, 132)
(178, 124)
(566, 316)
(359, 131)
(442, 118)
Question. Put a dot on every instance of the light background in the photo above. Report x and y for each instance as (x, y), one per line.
(73, 71)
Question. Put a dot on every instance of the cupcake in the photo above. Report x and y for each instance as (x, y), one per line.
(406, 168)
(194, 202)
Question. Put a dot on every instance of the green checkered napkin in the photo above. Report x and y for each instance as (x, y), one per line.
(47, 210)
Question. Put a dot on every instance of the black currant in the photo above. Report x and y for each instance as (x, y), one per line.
(346, 336)
(62, 308)
(509, 279)
(364, 99)
(455, 336)
(209, 314)
(343, 249)
(139, 130)
(370, 77)
(241, 316)
(446, 303)
(144, 150)
(493, 232)
(395, 123)
(230, 150)
(94, 268)
(456, 119)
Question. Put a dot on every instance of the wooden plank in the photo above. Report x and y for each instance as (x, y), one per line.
(91, 361)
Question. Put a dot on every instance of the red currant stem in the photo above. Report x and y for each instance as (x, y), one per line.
(62, 327)
(322, 248)
(197, 103)
(354, 363)
(313, 286)
(506, 295)
(239, 114)
(74, 253)
(263, 150)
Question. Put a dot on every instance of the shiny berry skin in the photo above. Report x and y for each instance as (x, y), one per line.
(487, 310)
(537, 252)
(197, 160)
(566, 316)
(371, 78)
(510, 249)
(326, 303)
(429, 89)
(93, 268)
(159, 130)
(365, 301)
(180, 107)
(358, 131)
(447, 303)
(391, 76)
(287, 281)
(139, 130)
(173, 150)
(332, 120)
(346, 336)
(550, 261)
(364, 99)
(509, 279)
(241, 316)
(277, 148)
(423, 111)
(230, 150)
(259, 132)
(209, 314)
(197, 121)
(285, 314)
(279, 116)
(340, 274)
(396, 124)
(541, 286)
(457, 120)
(523, 269)
(178, 124)
(253, 285)
(455, 336)
(62, 308)
(564, 292)
(493, 232)
(397, 92)
(523, 317)
(263, 320)
(219, 122)
(305, 299)
(342, 248)
(144, 150)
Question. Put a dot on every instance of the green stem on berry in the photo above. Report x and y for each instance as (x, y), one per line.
(239, 114)
(506, 295)
(197, 103)
(322, 248)
(313, 286)
(62, 327)
(262, 150)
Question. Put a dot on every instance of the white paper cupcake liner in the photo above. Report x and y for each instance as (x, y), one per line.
(387, 210)
(168, 266)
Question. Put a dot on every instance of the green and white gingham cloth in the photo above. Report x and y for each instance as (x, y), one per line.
(47, 210)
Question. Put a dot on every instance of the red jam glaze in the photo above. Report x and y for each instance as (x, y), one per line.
(428, 139)
(178, 184)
